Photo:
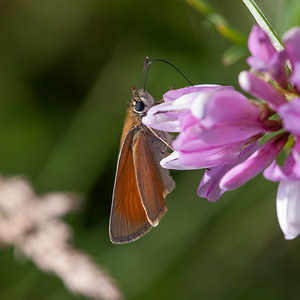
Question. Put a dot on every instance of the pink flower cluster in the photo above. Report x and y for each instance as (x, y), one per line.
(221, 130)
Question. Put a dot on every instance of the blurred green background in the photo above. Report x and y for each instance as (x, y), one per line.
(66, 72)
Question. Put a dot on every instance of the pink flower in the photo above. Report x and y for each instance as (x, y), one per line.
(215, 124)
(267, 62)
(286, 102)
(220, 129)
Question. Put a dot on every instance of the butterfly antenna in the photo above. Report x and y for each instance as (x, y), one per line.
(144, 69)
(149, 62)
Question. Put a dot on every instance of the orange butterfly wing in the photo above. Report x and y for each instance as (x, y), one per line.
(149, 174)
(128, 220)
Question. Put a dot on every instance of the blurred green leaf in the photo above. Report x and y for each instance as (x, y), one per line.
(219, 22)
(288, 15)
(234, 54)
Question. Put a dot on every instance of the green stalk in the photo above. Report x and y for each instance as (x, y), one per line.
(218, 22)
(264, 23)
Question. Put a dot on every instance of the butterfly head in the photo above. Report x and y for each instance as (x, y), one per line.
(141, 101)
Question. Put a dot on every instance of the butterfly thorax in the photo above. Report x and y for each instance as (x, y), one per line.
(140, 103)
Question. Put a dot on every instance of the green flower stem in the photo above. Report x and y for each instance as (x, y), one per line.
(219, 22)
(264, 23)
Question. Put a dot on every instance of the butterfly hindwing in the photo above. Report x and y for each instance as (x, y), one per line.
(149, 175)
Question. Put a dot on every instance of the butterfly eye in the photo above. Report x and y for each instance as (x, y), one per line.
(139, 106)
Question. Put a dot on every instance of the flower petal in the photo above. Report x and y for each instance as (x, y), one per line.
(289, 171)
(246, 170)
(175, 94)
(225, 117)
(275, 67)
(295, 77)
(209, 186)
(288, 208)
(290, 113)
(220, 134)
(291, 40)
(166, 116)
(229, 106)
(162, 121)
(172, 162)
(187, 120)
(196, 154)
(273, 172)
(261, 89)
(265, 58)
(260, 44)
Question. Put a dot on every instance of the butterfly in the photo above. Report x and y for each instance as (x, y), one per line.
(141, 184)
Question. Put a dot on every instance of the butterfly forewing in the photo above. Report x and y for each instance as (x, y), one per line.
(128, 220)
